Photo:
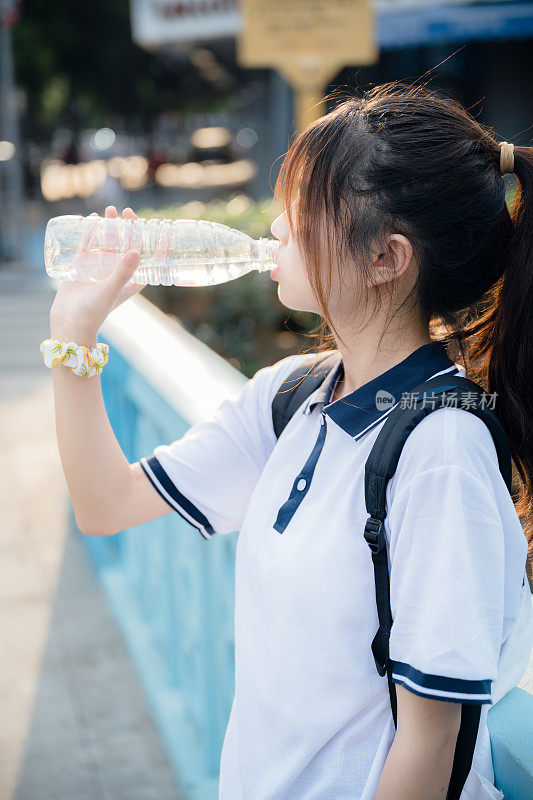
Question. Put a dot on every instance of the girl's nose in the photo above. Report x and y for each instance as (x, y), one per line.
(278, 228)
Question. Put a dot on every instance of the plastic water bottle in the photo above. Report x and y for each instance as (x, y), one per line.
(181, 252)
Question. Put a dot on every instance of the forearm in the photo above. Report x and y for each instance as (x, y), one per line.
(96, 470)
(417, 769)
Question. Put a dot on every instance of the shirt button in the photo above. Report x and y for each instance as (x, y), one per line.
(302, 483)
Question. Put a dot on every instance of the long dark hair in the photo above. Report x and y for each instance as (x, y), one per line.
(405, 159)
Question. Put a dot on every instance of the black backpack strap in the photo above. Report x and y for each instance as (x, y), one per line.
(380, 467)
(296, 388)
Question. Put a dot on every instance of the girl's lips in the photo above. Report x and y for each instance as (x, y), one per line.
(274, 271)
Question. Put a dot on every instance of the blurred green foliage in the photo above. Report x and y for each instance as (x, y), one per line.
(240, 211)
(243, 320)
(510, 192)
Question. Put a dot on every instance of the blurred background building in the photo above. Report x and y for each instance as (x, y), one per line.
(147, 104)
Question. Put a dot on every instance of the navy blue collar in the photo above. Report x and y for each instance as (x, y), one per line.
(368, 404)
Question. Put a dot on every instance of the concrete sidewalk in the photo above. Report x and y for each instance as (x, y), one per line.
(74, 724)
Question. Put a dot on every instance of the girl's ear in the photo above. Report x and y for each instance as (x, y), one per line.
(393, 261)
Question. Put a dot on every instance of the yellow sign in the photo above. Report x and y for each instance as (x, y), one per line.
(309, 41)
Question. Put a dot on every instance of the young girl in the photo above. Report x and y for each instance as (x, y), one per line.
(394, 220)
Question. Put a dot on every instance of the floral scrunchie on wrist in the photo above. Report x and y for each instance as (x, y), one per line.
(86, 361)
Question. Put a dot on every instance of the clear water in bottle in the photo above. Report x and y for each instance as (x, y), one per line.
(180, 252)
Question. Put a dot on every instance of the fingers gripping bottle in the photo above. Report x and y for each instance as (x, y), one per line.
(181, 252)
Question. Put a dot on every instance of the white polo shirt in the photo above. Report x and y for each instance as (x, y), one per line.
(311, 717)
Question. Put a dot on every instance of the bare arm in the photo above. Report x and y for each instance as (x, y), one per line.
(419, 762)
(108, 493)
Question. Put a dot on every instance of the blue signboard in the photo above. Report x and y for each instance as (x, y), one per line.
(428, 24)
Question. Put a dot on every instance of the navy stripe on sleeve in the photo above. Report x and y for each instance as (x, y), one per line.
(168, 491)
(456, 690)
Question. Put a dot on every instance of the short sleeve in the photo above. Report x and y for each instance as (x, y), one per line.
(208, 475)
(447, 565)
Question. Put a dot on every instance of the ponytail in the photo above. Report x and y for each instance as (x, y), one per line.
(501, 339)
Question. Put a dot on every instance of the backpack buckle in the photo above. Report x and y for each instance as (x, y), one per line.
(374, 534)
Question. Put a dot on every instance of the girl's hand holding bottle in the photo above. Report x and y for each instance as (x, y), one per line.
(80, 307)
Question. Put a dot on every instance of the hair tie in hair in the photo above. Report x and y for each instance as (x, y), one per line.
(506, 158)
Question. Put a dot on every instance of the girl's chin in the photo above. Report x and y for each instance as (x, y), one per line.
(291, 303)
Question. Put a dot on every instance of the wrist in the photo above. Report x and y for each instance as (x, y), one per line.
(73, 333)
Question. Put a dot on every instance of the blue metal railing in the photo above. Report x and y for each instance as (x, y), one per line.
(172, 591)
(510, 723)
